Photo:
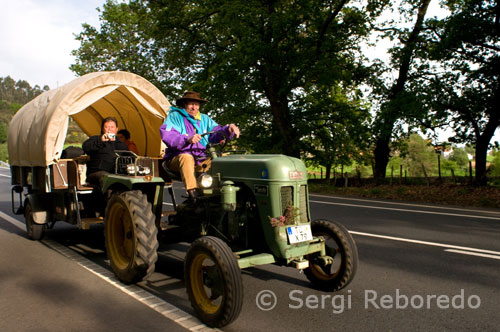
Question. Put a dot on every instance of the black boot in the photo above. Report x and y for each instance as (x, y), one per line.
(192, 195)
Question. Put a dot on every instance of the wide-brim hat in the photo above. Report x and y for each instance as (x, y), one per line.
(190, 95)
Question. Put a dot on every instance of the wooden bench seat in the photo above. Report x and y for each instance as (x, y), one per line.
(70, 173)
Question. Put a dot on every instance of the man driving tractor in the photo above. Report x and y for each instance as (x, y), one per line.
(182, 132)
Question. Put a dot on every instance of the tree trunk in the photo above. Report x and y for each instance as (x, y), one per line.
(328, 171)
(390, 113)
(382, 154)
(481, 153)
(281, 116)
(482, 137)
(483, 140)
(439, 165)
(425, 174)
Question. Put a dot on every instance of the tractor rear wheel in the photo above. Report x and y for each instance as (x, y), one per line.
(340, 246)
(213, 281)
(130, 236)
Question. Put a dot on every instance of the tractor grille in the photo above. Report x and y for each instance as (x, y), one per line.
(286, 198)
(303, 203)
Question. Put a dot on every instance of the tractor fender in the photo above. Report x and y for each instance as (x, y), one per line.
(120, 181)
(152, 187)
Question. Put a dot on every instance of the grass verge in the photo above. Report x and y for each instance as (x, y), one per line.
(457, 195)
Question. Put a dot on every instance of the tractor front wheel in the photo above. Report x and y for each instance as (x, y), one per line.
(341, 248)
(130, 236)
(213, 281)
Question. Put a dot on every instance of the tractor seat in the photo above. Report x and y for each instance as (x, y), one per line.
(167, 174)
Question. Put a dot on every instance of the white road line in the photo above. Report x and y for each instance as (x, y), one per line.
(375, 201)
(157, 304)
(403, 204)
(392, 209)
(406, 210)
(427, 243)
(21, 226)
(472, 253)
(152, 301)
(402, 210)
(13, 221)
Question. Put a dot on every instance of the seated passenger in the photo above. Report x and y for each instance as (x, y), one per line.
(124, 136)
(181, 133)
(101, 150)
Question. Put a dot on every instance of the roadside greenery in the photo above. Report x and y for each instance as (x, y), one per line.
(415, 157)
(451, 194)
(294, 76)
(4, 154)
(13, 95)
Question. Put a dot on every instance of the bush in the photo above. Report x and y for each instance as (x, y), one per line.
(3, 132)
(459, 156)
(495, 166)
(420, 156)
(4, 154)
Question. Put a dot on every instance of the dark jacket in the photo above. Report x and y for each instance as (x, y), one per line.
(102, 154)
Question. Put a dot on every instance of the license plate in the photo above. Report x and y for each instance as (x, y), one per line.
(300, 233)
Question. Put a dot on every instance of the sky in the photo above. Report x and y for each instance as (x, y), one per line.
(37, 37)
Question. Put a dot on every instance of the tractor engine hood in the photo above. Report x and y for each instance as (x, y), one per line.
(264, 167)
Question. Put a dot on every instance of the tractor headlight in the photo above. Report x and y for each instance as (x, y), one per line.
(143, 170)
(137, 169)
(131, 169)
(205, 180)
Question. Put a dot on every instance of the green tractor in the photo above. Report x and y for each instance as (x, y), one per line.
(251, 209)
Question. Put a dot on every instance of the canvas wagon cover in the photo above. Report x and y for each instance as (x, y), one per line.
(37, 132)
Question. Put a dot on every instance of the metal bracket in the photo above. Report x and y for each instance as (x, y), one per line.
(18, 189)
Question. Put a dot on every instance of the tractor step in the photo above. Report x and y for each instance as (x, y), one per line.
(165, 226)
(255, 260)
(86, 222)
(168, 213)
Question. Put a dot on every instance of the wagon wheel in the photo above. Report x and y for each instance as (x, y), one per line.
(213, 281)
(35, 231)
(130, 236)
(340, 246)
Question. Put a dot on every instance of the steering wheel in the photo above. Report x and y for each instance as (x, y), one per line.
(206, 151)
(221, 144)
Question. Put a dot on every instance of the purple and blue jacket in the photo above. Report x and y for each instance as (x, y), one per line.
(179, 126)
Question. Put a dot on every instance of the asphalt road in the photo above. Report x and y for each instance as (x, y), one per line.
(421, 268)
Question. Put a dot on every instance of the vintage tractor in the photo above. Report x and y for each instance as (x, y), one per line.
(251, 209)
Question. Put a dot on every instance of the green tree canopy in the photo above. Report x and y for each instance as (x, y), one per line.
(120, 43)
(18, 92)
(338, 128)
(13, 95)
(254, 60)
(460, 73)
(397, 104)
